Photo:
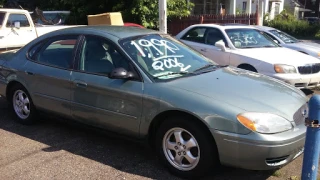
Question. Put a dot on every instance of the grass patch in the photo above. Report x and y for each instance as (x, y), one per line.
(277, 173)
(294, 178)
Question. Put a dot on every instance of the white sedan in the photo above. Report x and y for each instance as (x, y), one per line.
(288, 41)
(251, 49)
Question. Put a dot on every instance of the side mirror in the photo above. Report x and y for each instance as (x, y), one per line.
(276, 41)
(221, 45)
(121, 73)
(17, 24)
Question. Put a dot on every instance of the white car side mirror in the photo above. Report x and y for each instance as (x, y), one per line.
(221, 45)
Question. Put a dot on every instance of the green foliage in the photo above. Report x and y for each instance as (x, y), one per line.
(288, 23)
(317, 35)
(146, 12)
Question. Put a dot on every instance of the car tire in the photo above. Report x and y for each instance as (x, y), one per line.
(21, 105)
(195, 150)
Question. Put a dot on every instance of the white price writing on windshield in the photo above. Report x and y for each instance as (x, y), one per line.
(169, 63)
(153, 43)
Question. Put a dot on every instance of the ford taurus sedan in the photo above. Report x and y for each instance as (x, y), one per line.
(149, 86)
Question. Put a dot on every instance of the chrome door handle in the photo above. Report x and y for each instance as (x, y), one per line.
(80, 84)
(203, 50)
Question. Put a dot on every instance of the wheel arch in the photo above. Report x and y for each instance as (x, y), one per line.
(162, 117)
(246, 65)
(10, 85)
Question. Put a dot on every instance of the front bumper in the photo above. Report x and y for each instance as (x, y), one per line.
(300, 80)
(257, 151)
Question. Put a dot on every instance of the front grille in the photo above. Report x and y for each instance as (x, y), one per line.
(300, 115)
(309, 69)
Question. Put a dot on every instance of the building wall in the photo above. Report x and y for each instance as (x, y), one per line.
(243, 6)
(208, 6)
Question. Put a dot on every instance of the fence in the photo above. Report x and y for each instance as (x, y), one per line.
(176, 25)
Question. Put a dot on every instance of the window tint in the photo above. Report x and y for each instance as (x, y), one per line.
(213, 35)
(195, 35)
(33, 51)
(18, 18)
(100, 56)
(57, 52)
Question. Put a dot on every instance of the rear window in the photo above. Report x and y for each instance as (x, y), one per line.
(2, 17)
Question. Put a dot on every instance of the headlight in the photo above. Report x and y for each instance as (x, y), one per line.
(265, 123)
(281, 68)
(318, 54)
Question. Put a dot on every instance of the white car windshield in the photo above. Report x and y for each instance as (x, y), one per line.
(163, 57)
(249, 38)
(284, 36)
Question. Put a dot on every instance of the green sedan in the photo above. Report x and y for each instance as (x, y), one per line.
(151, 87)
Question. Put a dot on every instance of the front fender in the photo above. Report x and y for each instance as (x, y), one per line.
(213, 113)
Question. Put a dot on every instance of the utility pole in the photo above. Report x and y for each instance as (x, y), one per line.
(163, 16)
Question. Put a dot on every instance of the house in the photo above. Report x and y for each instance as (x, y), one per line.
(296, 8)
(273, 7)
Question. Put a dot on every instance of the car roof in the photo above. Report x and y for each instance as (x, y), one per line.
(265, 28)
(13, 10)
(225, 26)
(114, 30)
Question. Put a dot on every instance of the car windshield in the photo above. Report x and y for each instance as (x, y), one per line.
(249, 38)
(284, 36)
(1, 18)
(163, 57)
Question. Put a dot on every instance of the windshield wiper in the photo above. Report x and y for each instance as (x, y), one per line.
(210, 65)
(204, 67)
(172, 73)
(268, 46)
(248, 47)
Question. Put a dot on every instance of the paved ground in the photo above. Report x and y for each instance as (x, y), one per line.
(54, 150)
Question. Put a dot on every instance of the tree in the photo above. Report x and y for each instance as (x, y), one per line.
(146, 12)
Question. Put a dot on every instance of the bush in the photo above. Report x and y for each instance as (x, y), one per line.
(288, 23)
(318, 35)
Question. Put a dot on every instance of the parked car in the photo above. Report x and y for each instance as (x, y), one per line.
(133, 24)
(17, 28)
(288, 41)
(151, 87)
(312, 20)
(248, 48)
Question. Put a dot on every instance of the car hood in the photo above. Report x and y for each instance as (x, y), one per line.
(303, 45)
(246, 90)
(277, 55)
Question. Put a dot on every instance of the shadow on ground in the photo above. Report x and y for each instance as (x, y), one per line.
(120, 154)
(307, 92)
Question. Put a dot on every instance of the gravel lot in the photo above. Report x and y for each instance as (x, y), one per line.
(53, 149)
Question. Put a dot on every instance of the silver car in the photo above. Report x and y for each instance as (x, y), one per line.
(290, 42)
